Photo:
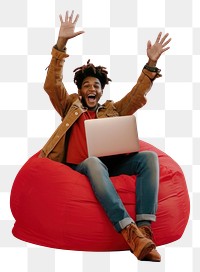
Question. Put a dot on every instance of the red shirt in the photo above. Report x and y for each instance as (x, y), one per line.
(77, 147)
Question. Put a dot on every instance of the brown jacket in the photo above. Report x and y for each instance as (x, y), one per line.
(70, 107)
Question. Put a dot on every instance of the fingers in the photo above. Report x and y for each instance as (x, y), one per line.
(69, 18)
(163, 41)
(164, 44)
(66, 16)
(164, 38)
(165, 49)
(158, 38)
(76, 19)
(61, 19)
(78, 33)
(148, 44)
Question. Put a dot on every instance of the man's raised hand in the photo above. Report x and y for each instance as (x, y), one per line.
(67, 29)
(155, 51)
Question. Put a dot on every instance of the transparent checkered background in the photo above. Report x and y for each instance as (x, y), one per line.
(116, 36)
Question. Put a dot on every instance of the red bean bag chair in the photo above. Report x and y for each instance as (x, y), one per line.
(54, 206)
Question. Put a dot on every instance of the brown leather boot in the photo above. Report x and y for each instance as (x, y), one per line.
(152, 256)
(139, 244)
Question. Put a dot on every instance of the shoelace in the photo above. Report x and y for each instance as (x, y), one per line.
(147, 232)
(132, 230)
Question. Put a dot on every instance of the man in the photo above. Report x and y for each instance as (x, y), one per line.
(68, 143)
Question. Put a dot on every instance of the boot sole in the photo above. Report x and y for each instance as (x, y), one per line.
(148, 248)
(151, 260)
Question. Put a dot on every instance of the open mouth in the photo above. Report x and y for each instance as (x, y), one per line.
(91, 98)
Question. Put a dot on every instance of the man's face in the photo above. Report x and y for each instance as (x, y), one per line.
(90, 92)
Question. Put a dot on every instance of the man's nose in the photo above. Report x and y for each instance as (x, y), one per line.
(92, 87)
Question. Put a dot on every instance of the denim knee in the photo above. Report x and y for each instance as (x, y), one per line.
(153, 155)
(150, 157)
(94, 163)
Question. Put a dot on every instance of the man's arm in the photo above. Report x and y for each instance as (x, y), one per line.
(53, 84)
(136, 98)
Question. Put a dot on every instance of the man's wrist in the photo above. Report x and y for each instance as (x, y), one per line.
(59, 49)
(153, 69)
(151, 63)
(61, 44)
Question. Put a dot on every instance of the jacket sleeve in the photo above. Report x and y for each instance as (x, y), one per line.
(136, 98)
(53, 84)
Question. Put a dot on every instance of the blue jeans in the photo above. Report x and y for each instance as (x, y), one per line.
(143, 164)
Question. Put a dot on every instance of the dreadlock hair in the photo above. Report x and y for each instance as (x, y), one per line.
(90, 70)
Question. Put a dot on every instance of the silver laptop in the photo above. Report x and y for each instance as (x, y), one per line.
(111, 136)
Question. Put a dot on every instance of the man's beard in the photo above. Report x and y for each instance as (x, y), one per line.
(86, 105)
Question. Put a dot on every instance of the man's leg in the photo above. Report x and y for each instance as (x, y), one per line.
(105, 192)
(145, 165)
